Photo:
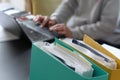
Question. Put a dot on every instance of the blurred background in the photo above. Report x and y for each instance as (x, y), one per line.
(44, 7)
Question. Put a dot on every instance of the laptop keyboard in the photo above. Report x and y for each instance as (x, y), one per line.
(37, 32)
(34, 36)
(30, 24)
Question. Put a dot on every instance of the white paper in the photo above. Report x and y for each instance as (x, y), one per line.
(115, 51)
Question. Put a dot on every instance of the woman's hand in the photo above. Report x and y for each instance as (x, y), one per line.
(61, 29)
(44, 20)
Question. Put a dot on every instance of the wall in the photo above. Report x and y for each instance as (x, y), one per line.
(44, 7)
(19, 4)
(4, 0)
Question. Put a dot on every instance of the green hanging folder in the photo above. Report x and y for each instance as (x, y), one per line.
(45, 66)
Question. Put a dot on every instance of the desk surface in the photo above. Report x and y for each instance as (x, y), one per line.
(15, 60)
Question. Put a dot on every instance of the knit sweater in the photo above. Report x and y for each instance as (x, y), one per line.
(96, 18)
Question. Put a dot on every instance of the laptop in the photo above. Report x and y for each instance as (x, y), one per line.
(37, 33)
(10, 24)
(32, 31)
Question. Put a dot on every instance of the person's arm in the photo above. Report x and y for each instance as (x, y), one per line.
(102, 28)
(64, 11)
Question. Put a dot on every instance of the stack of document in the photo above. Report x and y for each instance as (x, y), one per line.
(92, 53)
(70, 58)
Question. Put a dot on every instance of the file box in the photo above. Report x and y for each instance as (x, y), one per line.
(45, 66)
(113, 74)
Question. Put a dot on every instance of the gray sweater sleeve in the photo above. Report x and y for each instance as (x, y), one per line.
(103, 28)
(64, 11)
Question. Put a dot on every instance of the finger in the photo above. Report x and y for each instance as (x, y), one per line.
(57, 27)
(45, 21)
(53, 28)
(62, 32)
(38, 18)
(60, 28)
(52, 22)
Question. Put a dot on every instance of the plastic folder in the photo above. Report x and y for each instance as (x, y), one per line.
(113, 74)
(45, 66)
